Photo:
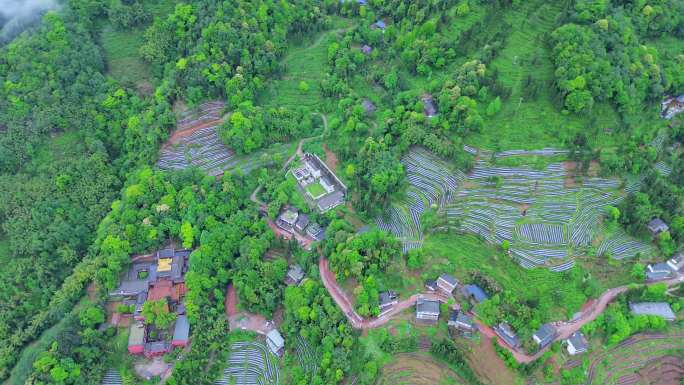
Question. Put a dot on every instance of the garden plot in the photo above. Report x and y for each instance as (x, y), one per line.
(250, 363)
(111, 377)
(544, 222)
(306, 356)
(202, 149)
(663, 168)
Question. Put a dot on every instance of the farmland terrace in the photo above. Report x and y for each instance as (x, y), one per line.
(545, 220)
(250, 363)
(639, 359)
(196, 143)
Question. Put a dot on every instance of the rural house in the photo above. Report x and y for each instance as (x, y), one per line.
(427, 310)
(576, 344)
(475, 293)
(315, 232)
(447, 283)
(295, 275)
(136, 339)
(380, 24)
(181, 331)
(676, 263)
(658, 271)
(461, 322)
(302, 222)
(387, 299)
(545, 335)
(275, 342)
(287, 219)
(661, 309)
(368, 106)
(431, 285)
(507, 334)
(366, 49)
(657, 226)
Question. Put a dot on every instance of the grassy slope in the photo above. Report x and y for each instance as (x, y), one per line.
(462, 253)
(121, 50)
(24, 365)
(534, 123)
(304, 62)
(121, 47)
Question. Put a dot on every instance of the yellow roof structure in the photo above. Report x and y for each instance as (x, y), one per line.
(164, 264)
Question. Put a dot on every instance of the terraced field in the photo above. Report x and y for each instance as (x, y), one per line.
(306, 356)
(642, 359)
(545, 222)
(196, 143)
(250, 363)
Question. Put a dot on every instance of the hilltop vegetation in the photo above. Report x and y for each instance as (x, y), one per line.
(88, 97)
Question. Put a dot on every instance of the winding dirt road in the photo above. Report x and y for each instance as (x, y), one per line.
(358, 322)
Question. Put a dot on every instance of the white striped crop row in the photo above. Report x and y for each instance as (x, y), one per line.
(250, 363)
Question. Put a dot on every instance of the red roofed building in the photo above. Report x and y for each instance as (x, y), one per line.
(160, 290)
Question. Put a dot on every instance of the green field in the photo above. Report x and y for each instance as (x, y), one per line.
(315, 189)
(60, 146)
(305, 62)
(123, 60)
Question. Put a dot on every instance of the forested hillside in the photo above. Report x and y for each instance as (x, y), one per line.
(91, 93)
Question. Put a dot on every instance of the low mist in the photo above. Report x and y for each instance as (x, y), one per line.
(17, 15)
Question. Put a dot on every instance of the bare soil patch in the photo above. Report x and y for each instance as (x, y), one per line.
(330, 158)
(572, 172)
(668, 370)
(156, 366)
(273, 254)
(230, 302)
(179, 134)
(416, 369)
(92, 291)
(487, 364)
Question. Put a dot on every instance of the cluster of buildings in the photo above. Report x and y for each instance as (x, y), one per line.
(296, 223)
(665, 270)
(428, 309)
(319, 185)
(151, 278)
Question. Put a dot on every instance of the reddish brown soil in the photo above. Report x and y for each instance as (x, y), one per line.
(487, 364)
(230, 302)
(92, 291)
(330, 158)
(667, 370)
(179, 134)
(571, 172)
(416, 369)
